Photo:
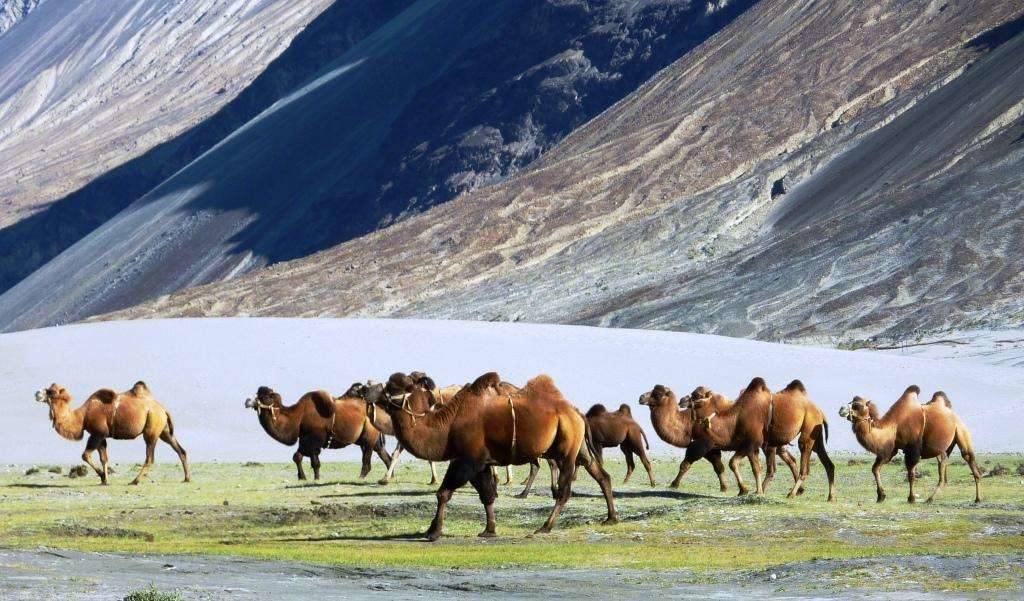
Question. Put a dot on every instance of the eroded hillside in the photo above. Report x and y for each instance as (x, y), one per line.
(817, 170)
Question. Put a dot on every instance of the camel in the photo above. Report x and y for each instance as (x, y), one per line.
(483, 426)
(610, 429)
(318, 421)
(674, 421)
(118, 415)
(920, 431)
(760, 419)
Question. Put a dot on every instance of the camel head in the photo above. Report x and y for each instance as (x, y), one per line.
(405, 393)
(699, 396)
(54, 394)
(265, 400)
(858, 410)
(658, 396)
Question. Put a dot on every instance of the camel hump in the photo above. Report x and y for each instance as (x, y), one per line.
(940, 397)
(105, 395)
(488, 380)
(323, 402)
(140, 388)
(543, 384)
(624, 409)
(795, 386)
(597, 409)
(913, 389)
(756, 385)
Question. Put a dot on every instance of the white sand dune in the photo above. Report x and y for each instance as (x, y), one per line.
(203, 369)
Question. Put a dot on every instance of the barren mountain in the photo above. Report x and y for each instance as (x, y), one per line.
(14, 11)
(444, 97)
(86, 85)
(816, 170)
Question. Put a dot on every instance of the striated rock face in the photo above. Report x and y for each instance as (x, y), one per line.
(817, 170)
(443, 98)
(14, 11)
(89, 84)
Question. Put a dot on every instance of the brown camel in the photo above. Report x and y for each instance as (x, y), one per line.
(108, 414)
(610, 429)
(920, 431)
(674, 421)
(318, 421)
(483, 426)
(761, 419)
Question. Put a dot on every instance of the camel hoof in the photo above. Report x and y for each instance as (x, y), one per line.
(912, 499)
(542, 530)
(187, 481)
(522, 495)
(383, 481)
(675, 484)
(134, 483)
(653, 484)
(487, 534)
(800, 491)
(977, 500)
(433, 535)
(831, 499)
(610, 521)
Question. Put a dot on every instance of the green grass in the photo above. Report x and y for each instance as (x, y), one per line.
(151, 594)
(261, 511)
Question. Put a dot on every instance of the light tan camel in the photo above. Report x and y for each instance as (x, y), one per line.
(920, 431)
(118, 415)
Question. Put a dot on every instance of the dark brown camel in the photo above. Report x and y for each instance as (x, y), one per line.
(674, 419)
(760, 419)
(920, 431)
(118, 415)
(318, 421)
(482, 426)
(611, 429)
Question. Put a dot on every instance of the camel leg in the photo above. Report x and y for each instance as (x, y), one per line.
(684, 466)
(169, 438)
(150, 452)
(830, 468)
(382, 451)
(968, 456)
(391, 468)
(433, 474)
(104, 459)
(459, 472)
(942, 467)
(508, 475)
(528, 484)
(876, 470)
(486, 486)
(367, 458)
(314, 460)
(565, 474)
(94, 442)
(553, 468)
(790, 461)
(715, 459)
(630, 464)
(600, 475)
(769, 459)
(297, 458)
(637, 447)
(734, 465)
(911, 456)
(806, 444)
(754, 457)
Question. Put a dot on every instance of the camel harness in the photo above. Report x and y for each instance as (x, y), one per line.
(512, 408)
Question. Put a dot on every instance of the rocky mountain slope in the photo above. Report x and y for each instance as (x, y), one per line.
(818, 170)
(86, 85)
(443, 98)
(14, 11)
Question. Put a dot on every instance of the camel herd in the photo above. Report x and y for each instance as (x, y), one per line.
(490, 423)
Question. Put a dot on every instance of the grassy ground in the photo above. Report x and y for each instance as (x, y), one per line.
(262, 511)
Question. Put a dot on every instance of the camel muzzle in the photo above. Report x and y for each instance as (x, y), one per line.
(41, 396)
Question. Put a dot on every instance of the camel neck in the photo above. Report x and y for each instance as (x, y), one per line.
(673, 425)
(69, 424)
(426, 435)
(280, 424)
(874, 438)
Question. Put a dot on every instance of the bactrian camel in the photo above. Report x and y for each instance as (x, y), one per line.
(118, 415)
(920, 431)
(482, 427)
(318, 421)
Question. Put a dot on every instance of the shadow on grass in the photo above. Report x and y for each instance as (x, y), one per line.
(414, 537)
(30, 485)
(332, 483)
(382, 493)
(647, 494)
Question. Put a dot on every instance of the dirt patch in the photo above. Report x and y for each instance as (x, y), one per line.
(75, 529)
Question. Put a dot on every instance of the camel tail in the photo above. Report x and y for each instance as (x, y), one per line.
(643, 435)
(588, 439)
(824, 424)
(170, 424)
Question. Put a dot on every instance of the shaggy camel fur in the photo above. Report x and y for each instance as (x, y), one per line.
(118, 415)
(482, 426)
(920, 431)
(610, 429)
(318, 421)
(761, 418)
